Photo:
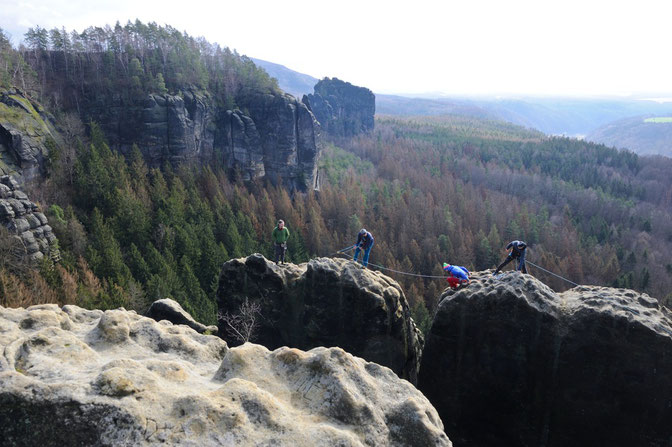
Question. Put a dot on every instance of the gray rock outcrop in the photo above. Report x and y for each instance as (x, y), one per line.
(509, 362)
(325, 302)
(72, 376)
(170, 310)
(26, 131)
(30, 231)
(343, 110)
(275, 137)
(288, 136)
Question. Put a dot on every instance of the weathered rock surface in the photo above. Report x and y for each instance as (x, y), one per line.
(31, 234)
(26, 131)
(170, 310)
(276, 137)
(343, 110)
(512, 363)
(79, 377)
(325, 302)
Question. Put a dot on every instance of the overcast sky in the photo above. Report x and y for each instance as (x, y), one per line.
(559, 47)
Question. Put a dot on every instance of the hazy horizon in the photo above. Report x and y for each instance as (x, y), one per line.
(519, 48)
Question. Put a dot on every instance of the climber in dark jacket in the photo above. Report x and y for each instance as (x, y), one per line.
(517, 252)
(364, 242)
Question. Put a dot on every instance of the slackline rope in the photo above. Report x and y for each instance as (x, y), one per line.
(343, 252)
(541, 268)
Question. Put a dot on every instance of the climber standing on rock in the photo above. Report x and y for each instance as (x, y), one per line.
(458, 275)
(280, 235)
(517, 252)
(364, 242)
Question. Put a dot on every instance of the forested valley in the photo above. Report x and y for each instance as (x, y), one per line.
(431, 190)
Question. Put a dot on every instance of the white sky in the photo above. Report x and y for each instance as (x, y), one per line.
(570, 47)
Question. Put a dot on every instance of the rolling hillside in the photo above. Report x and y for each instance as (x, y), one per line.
(645, 136)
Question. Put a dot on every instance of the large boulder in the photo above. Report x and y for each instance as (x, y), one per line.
(509, 362)
(325, 302)
(343, 109)
(70, 376)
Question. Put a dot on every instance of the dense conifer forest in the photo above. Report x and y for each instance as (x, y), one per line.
(431, 190)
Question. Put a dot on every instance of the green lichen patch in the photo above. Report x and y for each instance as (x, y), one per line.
(28, 107)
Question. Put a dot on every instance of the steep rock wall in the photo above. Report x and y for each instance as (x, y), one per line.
(509, 362)
(26, 131)
(274, 136)
(344, 110)
(325, 302)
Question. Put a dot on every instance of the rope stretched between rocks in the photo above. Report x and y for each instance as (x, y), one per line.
(343, 252)
(558, 276)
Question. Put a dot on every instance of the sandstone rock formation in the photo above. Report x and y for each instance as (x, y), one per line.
(170, 310)
(171, 129)
(511, 363)
(276, 137)
(289, 137)
(30, 229)
(325, 302)
(343, 110)
(85, 377)
(26, 131)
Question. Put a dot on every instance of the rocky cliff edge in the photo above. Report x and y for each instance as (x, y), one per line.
(70, 376)
(509, 362)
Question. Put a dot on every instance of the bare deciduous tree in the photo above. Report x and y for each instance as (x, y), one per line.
(13, 255)
(244, 324)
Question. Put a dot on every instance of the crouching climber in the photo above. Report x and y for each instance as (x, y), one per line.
(364, 242)
(458, 275)
(517, 252)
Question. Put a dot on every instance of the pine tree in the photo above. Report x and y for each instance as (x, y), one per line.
(160, 84)
(105, 254)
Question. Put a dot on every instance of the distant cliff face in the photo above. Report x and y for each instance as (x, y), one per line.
(509, 362)
(325, 302)
(26, 131)
(343, 110)
(275, 137)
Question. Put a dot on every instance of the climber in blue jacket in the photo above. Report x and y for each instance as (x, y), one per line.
(364, 242)
(458, 275)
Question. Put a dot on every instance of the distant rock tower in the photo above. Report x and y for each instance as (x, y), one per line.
(343, 109)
